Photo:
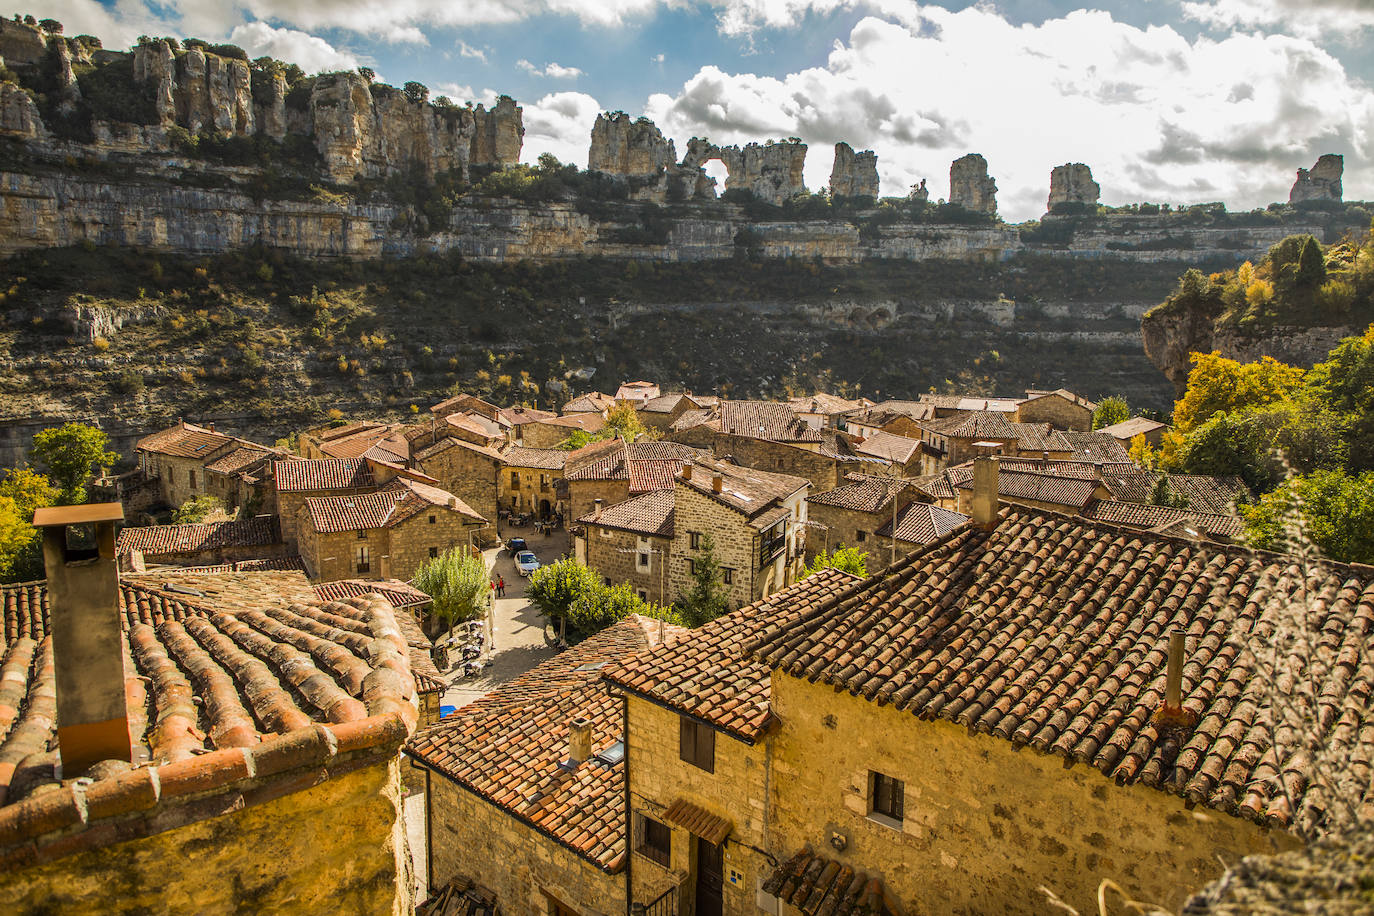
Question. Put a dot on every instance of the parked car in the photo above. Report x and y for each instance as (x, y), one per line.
(526, 562)
(515, 545)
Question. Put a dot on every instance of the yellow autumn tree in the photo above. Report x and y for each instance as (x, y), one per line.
(1217, 384)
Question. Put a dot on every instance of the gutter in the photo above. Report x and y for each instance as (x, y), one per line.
(629, 826)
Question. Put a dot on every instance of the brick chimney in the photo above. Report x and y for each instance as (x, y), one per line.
(579, 740)
(686, 470)
(985, 492)
(717, 483)
(1171, 714)
(83, 597)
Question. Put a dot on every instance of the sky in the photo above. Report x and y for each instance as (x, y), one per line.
(1169, 101)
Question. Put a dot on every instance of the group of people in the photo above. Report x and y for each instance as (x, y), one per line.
(498, 586)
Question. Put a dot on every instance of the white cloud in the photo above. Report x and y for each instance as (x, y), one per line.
(468, 50)
(456, 91)
(743, 17)
(1339, 19)
(311, 54)
(657, 58)
(560, 123)
(552, 70)
(526, 66)
(1155, 115)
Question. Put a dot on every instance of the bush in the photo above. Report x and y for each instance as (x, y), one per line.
(196, 509)
(457, 581)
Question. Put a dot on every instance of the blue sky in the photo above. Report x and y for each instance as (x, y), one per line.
(1167, 100)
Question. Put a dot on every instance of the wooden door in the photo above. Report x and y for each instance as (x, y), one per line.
(710, 879)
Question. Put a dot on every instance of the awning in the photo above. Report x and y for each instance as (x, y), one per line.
(698, 821)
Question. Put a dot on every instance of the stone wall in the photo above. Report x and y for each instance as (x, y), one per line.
(336, 845)
(583, 494)
(614, 554)
(1058, 411)
(847, 528)
(394, 553)
(472, 838)
(736, 544)
(470, 475)
(985, 824)
(736, 791)
(175, 477)
(526, 489)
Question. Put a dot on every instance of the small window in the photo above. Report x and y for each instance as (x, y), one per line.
(643, 595)
(860, 536)
(643, 559)
(653, 839)
(192, 475)
(691, 567)
(515, 480)
(887, 796)
(433, 519)
(780, 464)
(727, 575)
(362, 535)
(694, 539)
(607, 580)
(697, 744)
(364, 563)
(433, 552)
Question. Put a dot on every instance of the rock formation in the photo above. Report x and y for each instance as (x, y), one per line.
(1322, 183)
(18, 114)
(155, 63)
(919, 192)
(22, 45)
(629, 147)
(270, 109)
(854, 174)
(1073, 183)
(771, 171)
(970, 186)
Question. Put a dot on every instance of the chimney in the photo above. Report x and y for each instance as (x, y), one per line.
(1171, 714)
(716, 483)
(579, 740)
(211, 427)
(453, 502)
(83, 597)
(985, 492)
(597, 512)
(686, 470)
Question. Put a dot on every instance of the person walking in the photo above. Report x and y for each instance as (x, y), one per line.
(501, 587)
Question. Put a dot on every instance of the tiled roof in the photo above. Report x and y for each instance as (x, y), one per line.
(255, 663)
(1127, 430)
(1097, 447)
(967, 402)
(447, 443)
(394, 503)
(691, 419)
(1045, 488)
(707, 674)
(260, 531)
(652, 465)
(916, 410)
(592, 402)
(185, 440)
(664, 403)
(867, 493)
(474, 423)
(1040, 437)
(608, 466)
(922, 523)
(547, 459)
(697, 821)
(1216, 495)
(517, 416)
(937, 486)
(887, 447)
(1033, 394)
(1144, 515)
(464, 402)
(401, 596)
(978, 424)
(770, 420)
(263, 564)
(650, 514)
(322, 474)
(743, 489)
(240, 458)
(1059, 468)
(1053, 631)
(511, 746)
(354, 446)
(829, 404)
(814, 884)
(587, 422)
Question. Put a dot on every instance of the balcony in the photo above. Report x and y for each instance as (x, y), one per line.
(663, 905)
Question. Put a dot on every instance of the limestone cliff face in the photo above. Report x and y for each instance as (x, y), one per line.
(155, 63)
(630, 147)
(854, 174)
(22, 45)
(18, 115)
(970, 186)
(771, 171)
(1322, 183)
(1073, 183)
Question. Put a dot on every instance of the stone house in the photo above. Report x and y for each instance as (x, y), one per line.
(1060, 408)
(757, 520)
(613, 471)
(520, 417)
(333, 441)
(262, 799)
(966, 435)
(592, 402)
(528, 479)
(827, 411)
(1096, 448)
(766, 420)
(952, 405)
(909, 457)
(1126, 431)
(631, 542)
(851, 515)
(525, 787)
(662, 412)
(549, 432)
(469, 471)
(1041, 440)
(296, 481)
(1033, 700)
(177, 459)
(384, 534)
(242, 478)
(201, 544)
(636, 393)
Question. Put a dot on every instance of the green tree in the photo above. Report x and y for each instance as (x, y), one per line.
(845, 559)
(21, 492)
(196, 509)
(708, 597)
(68, 453)
(415, 92)
(1217, 384)
(553, 589)
(1164, 495)
(1111, 411)
(1332, 510)
(1344, 385)
(457, 581)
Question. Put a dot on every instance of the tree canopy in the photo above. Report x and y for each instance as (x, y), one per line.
(457, 581)
(1111, 411)
(68, 454)
(845, 559)
(708, 598)
(21, 492)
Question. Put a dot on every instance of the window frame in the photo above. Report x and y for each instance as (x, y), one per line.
(363, 558)
(727, 575)
(647, 831)
(697, 744)
(694, 540)
(886, 799)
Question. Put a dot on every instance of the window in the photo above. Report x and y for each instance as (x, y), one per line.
(364, 563)
(543, 481)
(694, 539)
(607, 580)
(653, 839)
(727, 575)
(557, 907)
(433, 519)
(886, 797)
(860, 536)
(691, 567)
(433, 552)
(362, 535)
(192, 474)
(644, 559)
(643, 595)
(515, 480)
(698, 744)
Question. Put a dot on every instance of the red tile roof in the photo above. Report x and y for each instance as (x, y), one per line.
(770, 420)
(1144, 515)
(156, 540)
(1053, 631)
(1044, 488)
(399, 500)
(185, 440)
(322, 474)
(1098, 447)
(976, 424)
(922, 523)
(745, 490)
(592, 402)
(866, 493)
(889, 447)
(511, 746)
(814, 884)
(546, 459)
(244, 456)
(1215, 495)
(1040, 437)
(707, 674)
(401, 596)
(650, 514)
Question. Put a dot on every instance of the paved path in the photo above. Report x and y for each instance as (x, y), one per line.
(519, 638)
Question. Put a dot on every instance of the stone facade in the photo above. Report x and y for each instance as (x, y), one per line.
(470, 473)
(851, 528)
(1073, 183)
(970, 186)
(615, 555)
(824, 472)
(854, 174)
(1323, 182)
(391, 553)
(333, 845)
(1057, 410)
(985, 824)
(528, 490)
(469, 836)
(179, 479)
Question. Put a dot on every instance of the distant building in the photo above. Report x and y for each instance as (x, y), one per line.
(1127, 430)
(636, 393)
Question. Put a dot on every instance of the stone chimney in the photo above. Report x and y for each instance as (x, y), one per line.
(686, 470)
(579, 739)
(985, 492)
(453, 502)
(83, 597)
(717, 483)
(596, 513)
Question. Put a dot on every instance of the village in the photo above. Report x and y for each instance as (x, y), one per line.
(966, 654)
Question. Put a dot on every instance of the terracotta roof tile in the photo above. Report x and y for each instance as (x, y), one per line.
(547, 459)
(814, 884)
(322, 474)
(394, 503)
(888, 447)
(706, 673)
(241, 458)
(1040, 437)
(402, 596)
(185, 440)
(770, 420)
(1053, 631)
(1045, 488)
(1144, 515)
(922, 523)
(697, 821)
(1097, 447)
(866, 493)
(260, 531)
(650, 514)
(1127, 430)
(511, 746)
(745, 490)
(977, 424)
(1215, 495)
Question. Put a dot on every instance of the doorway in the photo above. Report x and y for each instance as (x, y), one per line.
(710, 879)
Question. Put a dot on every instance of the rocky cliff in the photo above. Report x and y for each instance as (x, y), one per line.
(770, 171)
(1323, 182)
(970, 185)
(1073, 183)
(854, 174)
